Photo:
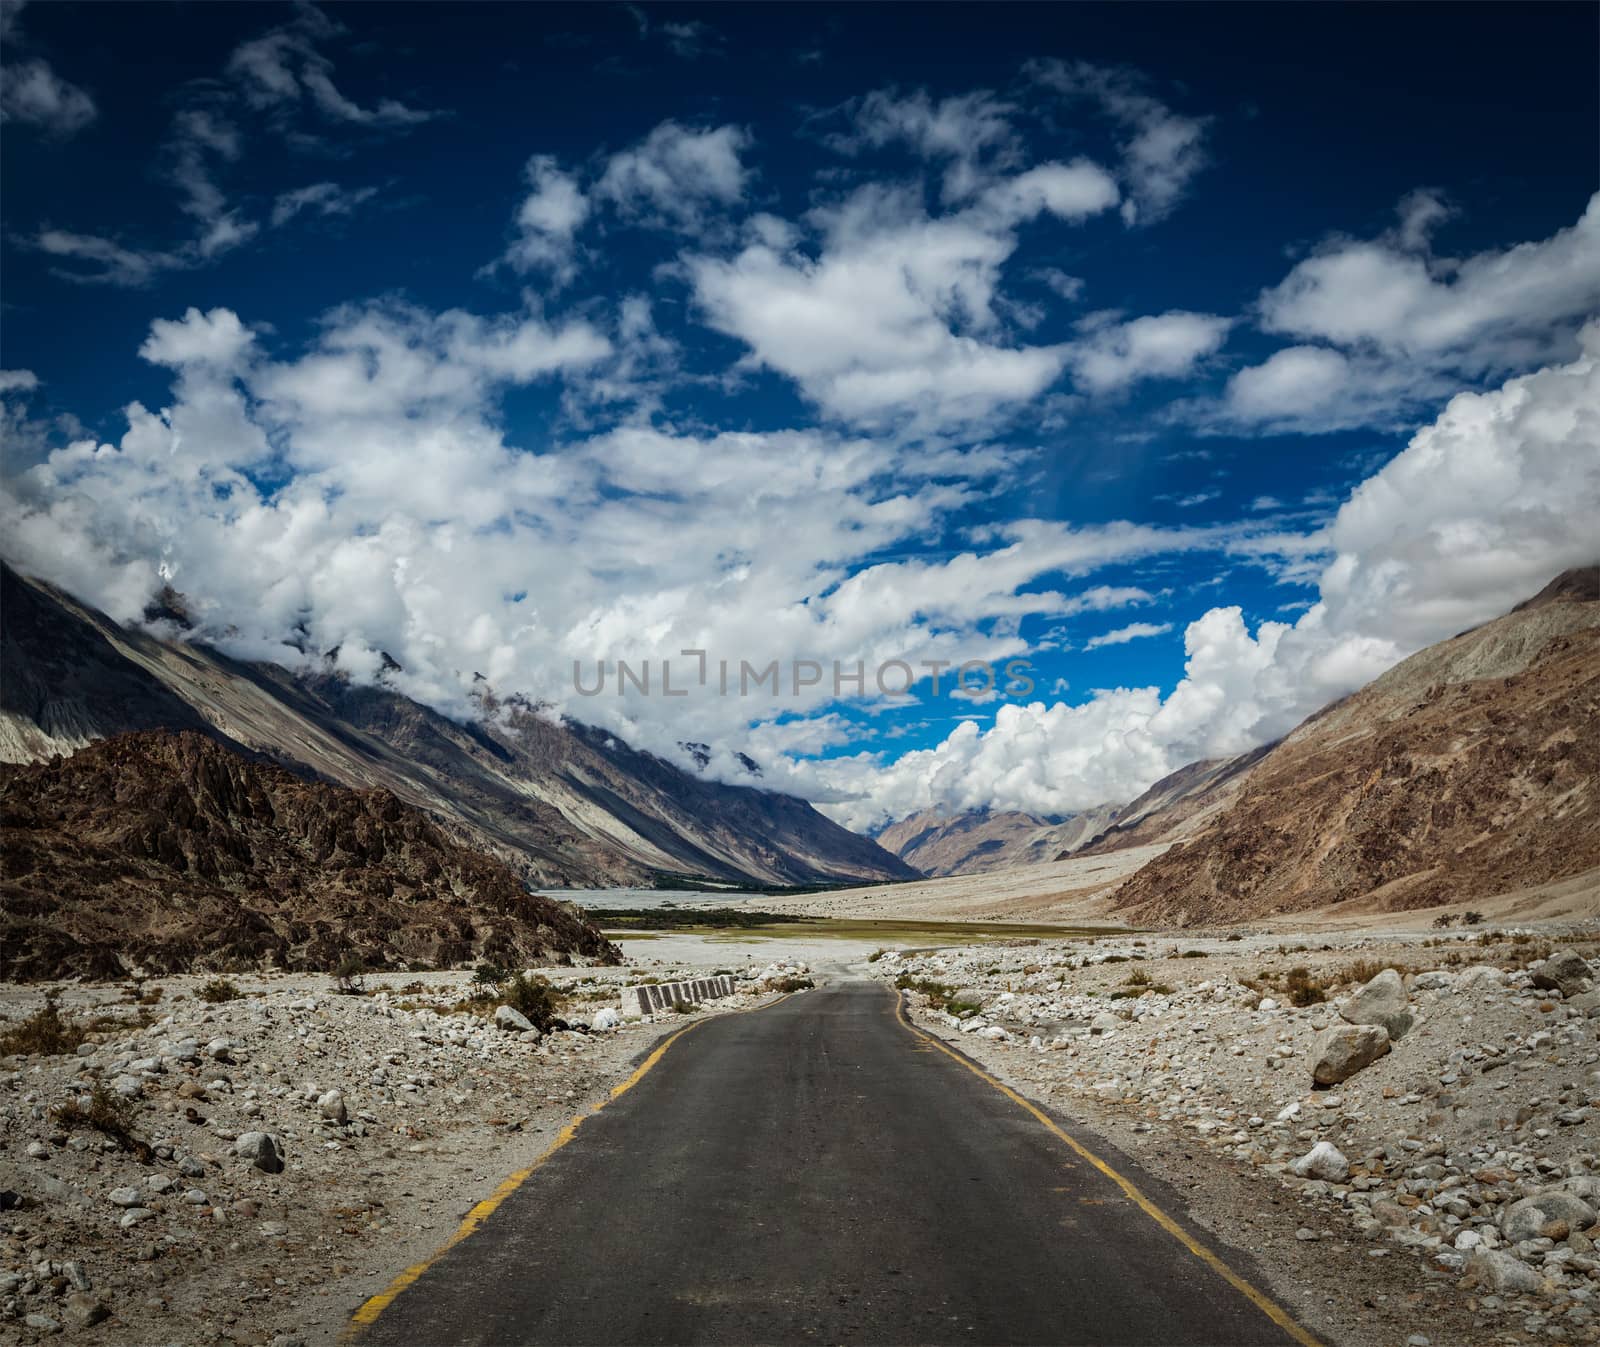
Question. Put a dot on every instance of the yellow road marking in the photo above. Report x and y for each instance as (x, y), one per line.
(371, 1309)
(1261, 1301)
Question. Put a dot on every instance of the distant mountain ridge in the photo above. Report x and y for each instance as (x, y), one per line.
(562, 803)
(980, 840)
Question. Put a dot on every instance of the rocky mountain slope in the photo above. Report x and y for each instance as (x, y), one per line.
(562, 803)
(979, 841)
(167, 852)
(1472, 768)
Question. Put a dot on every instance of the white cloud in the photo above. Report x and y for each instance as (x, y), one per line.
(548, 220)
(35, 95)
(1115, 354)
(972, 133)
(1161, 150)
(320, 198)
(1384, 327)
(18, 381)
(1134, 631)
(894, 312)
(284, 68)
(1478, 512)
(675, 173)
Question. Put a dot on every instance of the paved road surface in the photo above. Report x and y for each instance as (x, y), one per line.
(816, 1173)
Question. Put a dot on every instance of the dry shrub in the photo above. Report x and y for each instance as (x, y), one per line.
(46, 1032)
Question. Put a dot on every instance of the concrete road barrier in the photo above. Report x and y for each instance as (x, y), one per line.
(653, 996)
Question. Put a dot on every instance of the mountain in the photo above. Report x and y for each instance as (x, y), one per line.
(1469, 770)
(171, 852)
(981, 840)
(1178, 805)
(562, 803)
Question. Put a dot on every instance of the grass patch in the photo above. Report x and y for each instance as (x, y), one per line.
(1303, 989)
(217, 991)
(793, 983)
(46, 1033)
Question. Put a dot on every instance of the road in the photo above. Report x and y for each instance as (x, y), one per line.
(817, 1172)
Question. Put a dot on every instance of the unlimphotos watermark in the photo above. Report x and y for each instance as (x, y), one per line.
(972, 679)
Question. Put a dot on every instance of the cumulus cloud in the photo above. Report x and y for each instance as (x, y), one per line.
(1482, 507)
(1162, 150)
(675, 173)
(1384, 327)
(892, 312)
(18, 381)
(548, 220)
(1115, 354)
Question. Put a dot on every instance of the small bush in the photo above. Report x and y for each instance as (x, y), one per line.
(107, 1113)
(793, 983)
(1235, 935)
(1194, 954)
(1444, 921)
(217, 991)
(876, 955)
(533, 997)
(685, 1008)
(1138, 978)
(1302, 988)
(46, 1032)
(488, 975)
(349, 978)
(1471, 918)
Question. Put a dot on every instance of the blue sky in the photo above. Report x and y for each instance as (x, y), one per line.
(502, 336)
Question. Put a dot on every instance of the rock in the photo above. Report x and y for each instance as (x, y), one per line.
(1104, 1022)
(1534, 1216)
(37, 1150)
(1565, 972)
(1480, 977)
(1322, 1161)
(1289, 1112)
(1266, 1003)
(262, 1149)
(220, 1049)
(1381, 1001)
(129, 1087)
(1502, 1273)
(124, 1197)
(331, 1106)
(73, 1271)
(605, 1018)
(1343, 1049)
(196, 1197)
(84, 1311)
(1436, 981)
(160, 1183)
(512, 1020)
(134, 1215)
(41, 1323)
(994, 1032)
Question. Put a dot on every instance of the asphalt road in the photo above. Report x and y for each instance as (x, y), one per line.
(816, 1173)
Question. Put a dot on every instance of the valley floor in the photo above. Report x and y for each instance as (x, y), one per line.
(1185, 1053)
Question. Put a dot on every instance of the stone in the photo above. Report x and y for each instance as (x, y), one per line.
(1343, 1049)
(1381, 1001)
(606, 1018)
(1480, 977)
(84, 1311)
(1436, 981)
(1533, 1216)
(73, 1271)
(262, 1149)
(37, 1150)
(1322, 1161)
(331, 1106)
(124, 1197)
(1502, 1273)
(220, 1049)
(41, 1323)
(1565, 972)
(1104, 1022)
(129, 1087)
(196, 1197)
(134, 1216)
(512, 1020)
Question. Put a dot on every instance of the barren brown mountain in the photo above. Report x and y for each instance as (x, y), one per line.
(1469, 770)
(562, 803)
(981, 840)
(170, 852)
